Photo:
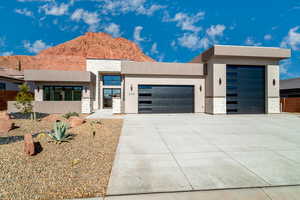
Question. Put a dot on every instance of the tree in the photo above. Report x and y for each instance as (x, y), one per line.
(24, 100)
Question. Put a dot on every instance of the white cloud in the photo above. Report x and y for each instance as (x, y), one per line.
(193, 41)
(6, 53)
(55, 9)
(250, 41)
(24, 11)
(216, 30)
(186, 22)
(154, 48)
(90, 18)
(268, 37)
(124, 6)
(137, 34)
(113, 29)
(36, 46)
(292, 39)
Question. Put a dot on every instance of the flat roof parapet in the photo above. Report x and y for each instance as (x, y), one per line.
(57, 76)
(243, 51)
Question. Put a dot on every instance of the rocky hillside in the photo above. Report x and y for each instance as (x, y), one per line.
(71, 55)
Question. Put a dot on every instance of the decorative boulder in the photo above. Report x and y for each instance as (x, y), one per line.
(75, 121)
(29, 145)
(5, 125)
(4, 116)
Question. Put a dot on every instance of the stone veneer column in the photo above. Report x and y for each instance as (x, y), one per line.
(86, 103)
(272, 89)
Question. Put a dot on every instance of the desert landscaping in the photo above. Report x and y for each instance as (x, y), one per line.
(79, 167)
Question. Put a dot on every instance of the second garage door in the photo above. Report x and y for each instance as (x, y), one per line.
(166, 99)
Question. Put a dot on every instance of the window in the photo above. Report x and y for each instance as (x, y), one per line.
(2, 86)
(62, 93)
(111, 80)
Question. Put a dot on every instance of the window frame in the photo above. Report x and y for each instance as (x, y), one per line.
(53, 90)
(112, 82)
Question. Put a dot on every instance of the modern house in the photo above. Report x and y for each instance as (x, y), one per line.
(222, 80)
(10, 80)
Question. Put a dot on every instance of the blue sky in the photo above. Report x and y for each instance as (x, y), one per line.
(167, 30)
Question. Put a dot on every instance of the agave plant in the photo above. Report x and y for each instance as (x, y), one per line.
(59, 133)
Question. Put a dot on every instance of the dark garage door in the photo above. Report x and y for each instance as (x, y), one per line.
(245, 89)
(166, 99)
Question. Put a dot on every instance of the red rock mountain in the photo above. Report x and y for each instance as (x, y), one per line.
(71, 55)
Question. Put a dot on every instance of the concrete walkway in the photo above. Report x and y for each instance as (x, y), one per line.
(104, 114)
(273, 193)
(186, 152)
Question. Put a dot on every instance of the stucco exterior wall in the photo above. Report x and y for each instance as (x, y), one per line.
(132, 81)
(215, 89)
(50, 107)
(105, 66)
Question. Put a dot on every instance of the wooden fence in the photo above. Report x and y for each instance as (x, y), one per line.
(290, 104)
(6, 96)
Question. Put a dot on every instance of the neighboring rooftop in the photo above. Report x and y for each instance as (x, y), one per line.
(11, 73)
(243, 51)
(293, 83)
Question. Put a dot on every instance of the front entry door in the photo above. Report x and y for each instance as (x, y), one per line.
(108, 94)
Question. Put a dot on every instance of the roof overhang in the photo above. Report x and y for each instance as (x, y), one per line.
(162, 68)
(244, 51)
(287, 84)
(58, 76)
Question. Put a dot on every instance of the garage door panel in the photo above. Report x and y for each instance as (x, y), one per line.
(245, 89)
(166, 99)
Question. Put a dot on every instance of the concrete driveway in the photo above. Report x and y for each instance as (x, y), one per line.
(185, 152)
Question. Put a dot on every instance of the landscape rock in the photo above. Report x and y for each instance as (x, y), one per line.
(75, 121)
(29, 145)
(71, 55)
(52, 118)
(5, 125)
(4, 116)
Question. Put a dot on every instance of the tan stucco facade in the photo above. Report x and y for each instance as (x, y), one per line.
(207, 73)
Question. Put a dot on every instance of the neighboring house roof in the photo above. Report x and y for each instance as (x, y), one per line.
(293, 83)
(11, 74)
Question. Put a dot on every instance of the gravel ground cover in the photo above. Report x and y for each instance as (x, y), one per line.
(80, 168)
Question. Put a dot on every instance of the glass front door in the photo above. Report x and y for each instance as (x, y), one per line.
(108, 94)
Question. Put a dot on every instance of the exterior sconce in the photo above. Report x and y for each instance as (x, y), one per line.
(200, 88)
(85, 88)
(38, 88)
(131, 88)
(220, 81)
(274, 82)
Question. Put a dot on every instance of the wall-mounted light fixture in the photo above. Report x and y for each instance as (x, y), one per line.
(85, 88)
(38, 88)
(220, 81)
(274, 82)
(131, 88)
(200, 88)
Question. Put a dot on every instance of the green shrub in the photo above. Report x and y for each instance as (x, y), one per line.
(59, 133)
(70, 114)
(24, 100)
